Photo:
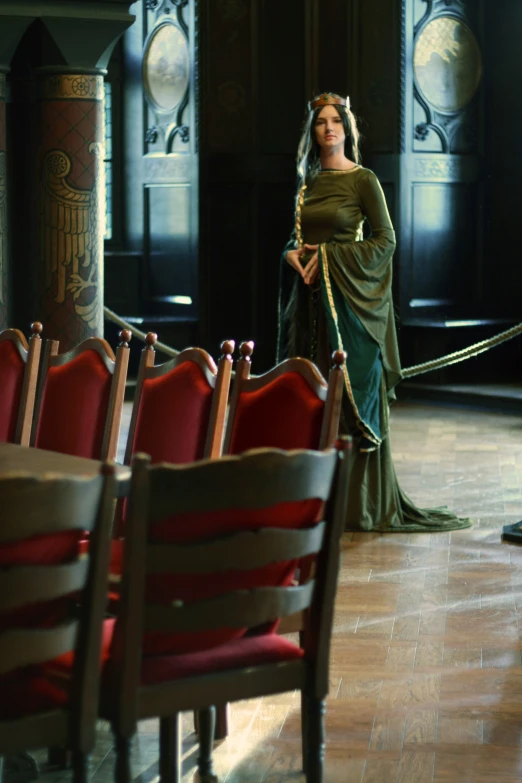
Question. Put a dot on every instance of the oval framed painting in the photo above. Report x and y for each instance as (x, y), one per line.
(166, 67)
(447, 64)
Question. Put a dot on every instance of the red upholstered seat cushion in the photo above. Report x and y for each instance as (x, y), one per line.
(249, 651)
(174, 414)
(12, 369)
(34, 689)
(284, 414)
(164, 588)
(74, 407)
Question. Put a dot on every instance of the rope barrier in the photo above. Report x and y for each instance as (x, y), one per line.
(137, 332)
(464, 353)
(408, 372)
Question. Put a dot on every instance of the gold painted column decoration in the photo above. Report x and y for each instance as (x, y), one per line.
(4, 315)
(70, 206)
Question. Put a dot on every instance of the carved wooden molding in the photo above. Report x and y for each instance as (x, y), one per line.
(168, 122)
(446, 121)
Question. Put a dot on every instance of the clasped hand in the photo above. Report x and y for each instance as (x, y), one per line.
(310, 271)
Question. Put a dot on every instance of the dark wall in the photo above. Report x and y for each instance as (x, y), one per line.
(254, 82)
(503, 74)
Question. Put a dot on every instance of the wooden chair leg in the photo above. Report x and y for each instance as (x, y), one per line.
(207, 727)
(221, 722)
(315, 739)
(80, 765)
(304, 723)
(170, 749)
(123, 767)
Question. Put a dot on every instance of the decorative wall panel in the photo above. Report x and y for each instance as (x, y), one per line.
(444, 259)
(162, 157)
(70, 188)
(168, 244)
(440, 230)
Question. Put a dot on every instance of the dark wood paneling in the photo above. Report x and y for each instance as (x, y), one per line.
(441, 205)
(121, 281)
(443, 259)
(282, 88)
(276, 213)
(256, 58)
(503, 75)
(335, 39)
(168, 244)
(162, 175)
(378, 87)
(228, 263)
(228, 97)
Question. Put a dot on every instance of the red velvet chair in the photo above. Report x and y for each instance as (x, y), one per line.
(179, 407)
(211, 552)
(80, 398)
(52, 610)
(18, 377)
(289, 407)
(178, 416)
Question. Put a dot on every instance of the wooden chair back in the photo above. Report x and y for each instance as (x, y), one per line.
(252, 517)
(53, 609)
(80, 398)
(19, 362)
(289, 407)
(179, 407)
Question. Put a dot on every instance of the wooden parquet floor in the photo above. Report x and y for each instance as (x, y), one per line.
(426, 672)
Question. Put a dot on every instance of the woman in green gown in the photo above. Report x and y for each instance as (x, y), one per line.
(336, 294)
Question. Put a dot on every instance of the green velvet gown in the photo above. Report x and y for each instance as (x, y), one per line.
(350, 308)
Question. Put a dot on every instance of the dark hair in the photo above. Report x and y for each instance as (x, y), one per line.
(351, 144)
(308, 153)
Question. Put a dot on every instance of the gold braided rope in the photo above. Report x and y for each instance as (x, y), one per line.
(464, 353)
(407, 372)
(137, 332)
(299, 208)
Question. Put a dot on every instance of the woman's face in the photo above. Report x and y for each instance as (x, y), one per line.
(329, 130)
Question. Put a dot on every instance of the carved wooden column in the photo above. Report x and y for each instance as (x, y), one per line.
(4, 302)
(58, 54)
(70, 194)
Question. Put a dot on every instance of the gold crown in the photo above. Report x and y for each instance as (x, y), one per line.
(327, 99)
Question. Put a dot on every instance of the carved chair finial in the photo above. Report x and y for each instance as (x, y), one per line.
(246, 348)
(151, 339)
(227, 348)
(36, 329)
(125, 337)
(339, 358)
